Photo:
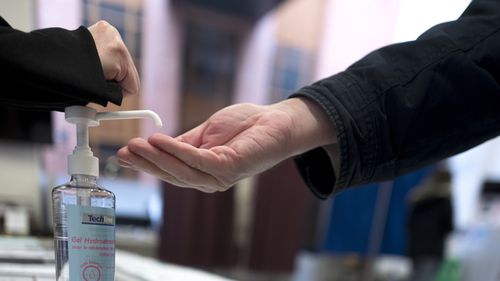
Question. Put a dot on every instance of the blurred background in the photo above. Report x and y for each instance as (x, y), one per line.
(197, 56)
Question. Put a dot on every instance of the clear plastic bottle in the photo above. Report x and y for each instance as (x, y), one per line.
(81, 190)
(83, 212)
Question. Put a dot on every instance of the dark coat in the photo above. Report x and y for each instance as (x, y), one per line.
(49, 69)
(410, 104)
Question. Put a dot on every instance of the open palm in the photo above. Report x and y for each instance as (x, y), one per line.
(236, 142)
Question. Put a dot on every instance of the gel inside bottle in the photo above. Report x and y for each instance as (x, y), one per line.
(83, 212)
(84, 229)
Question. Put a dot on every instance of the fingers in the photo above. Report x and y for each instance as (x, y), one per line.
(148, 167)
(193, 136)
(142, 155)
(199, 159)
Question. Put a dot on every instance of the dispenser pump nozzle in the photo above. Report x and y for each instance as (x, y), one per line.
(82, 161)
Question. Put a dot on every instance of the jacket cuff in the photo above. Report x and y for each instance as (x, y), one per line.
(331, 169)
(317, 172)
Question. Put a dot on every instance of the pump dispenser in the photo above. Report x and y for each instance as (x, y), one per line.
(83, 212)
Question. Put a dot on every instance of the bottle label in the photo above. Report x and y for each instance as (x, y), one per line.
(91, 243)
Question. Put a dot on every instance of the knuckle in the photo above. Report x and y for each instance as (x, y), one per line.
(118, 47)
(103, 24)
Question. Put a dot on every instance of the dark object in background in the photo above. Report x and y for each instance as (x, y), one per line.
(251, 10)
(429, 223)
(25, 126)
(490, 194)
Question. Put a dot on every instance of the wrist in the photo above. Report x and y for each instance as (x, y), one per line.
(310, 126)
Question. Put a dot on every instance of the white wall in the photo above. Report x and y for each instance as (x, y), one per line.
(352, 29)
(60, 13)
(20, 178)
(414, 17)
(20, 14)
(253, 81)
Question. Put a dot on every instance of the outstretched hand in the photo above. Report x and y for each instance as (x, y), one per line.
(236, 142)
(116, 61)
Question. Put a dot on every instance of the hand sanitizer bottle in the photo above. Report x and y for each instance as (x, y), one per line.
(83, 212)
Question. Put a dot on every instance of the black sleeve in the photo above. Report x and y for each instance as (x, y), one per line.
(407, 105)
(49, 69)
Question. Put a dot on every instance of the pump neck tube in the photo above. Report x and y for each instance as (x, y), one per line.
(82, 135)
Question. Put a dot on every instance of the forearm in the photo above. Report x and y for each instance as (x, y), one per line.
(408, 105)
(309, 125)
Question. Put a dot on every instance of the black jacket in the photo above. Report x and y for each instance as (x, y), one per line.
(49, 69)
(407, 105)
